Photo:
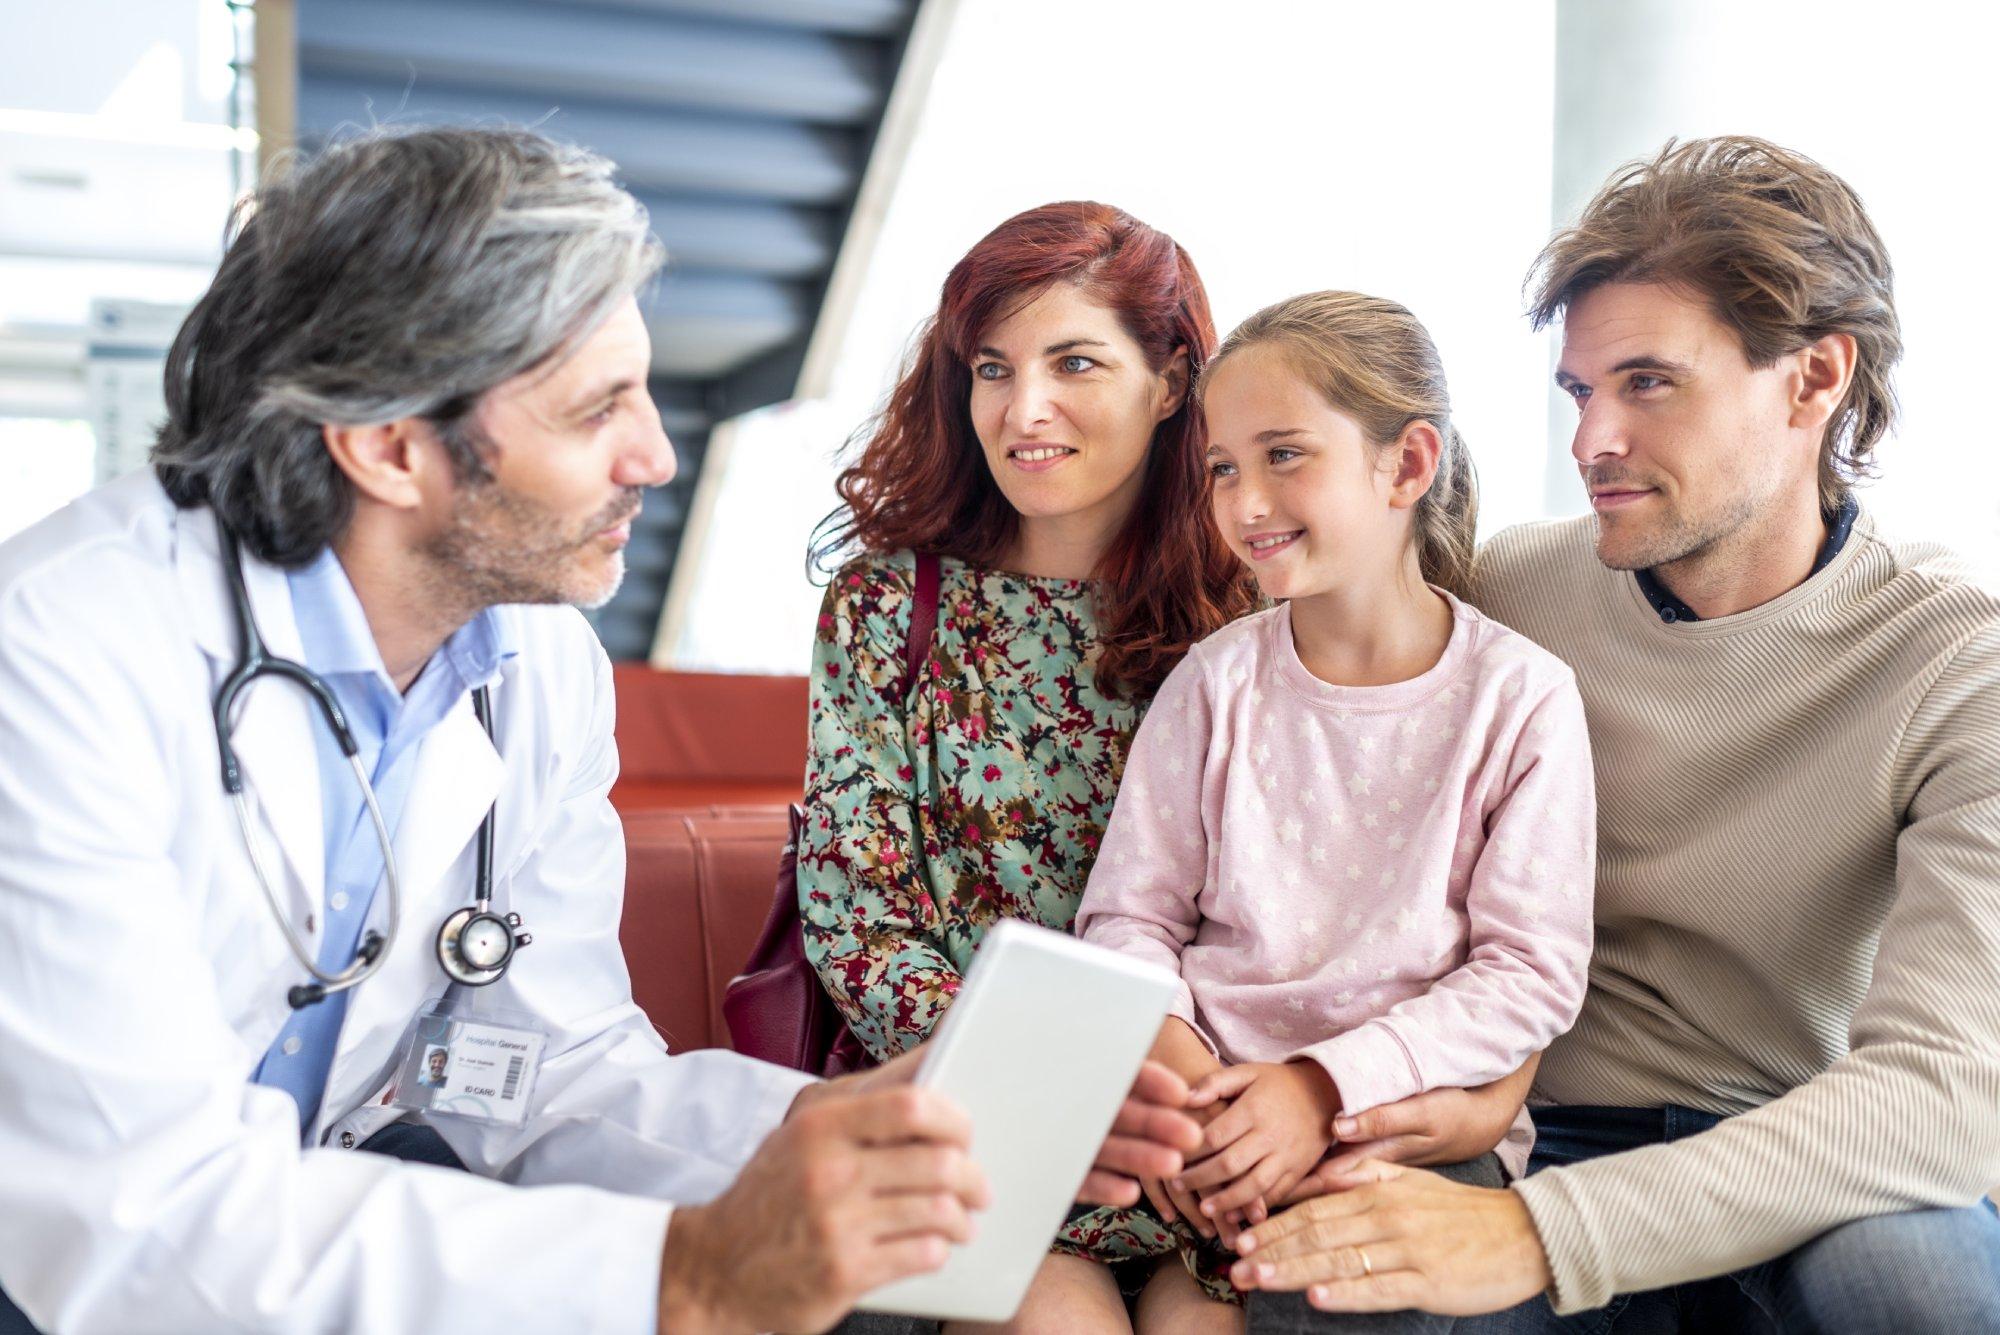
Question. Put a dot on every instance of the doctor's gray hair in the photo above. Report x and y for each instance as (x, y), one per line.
(401, 273)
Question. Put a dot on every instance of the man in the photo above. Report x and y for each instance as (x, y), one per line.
(1781, 1104)
(415, 398)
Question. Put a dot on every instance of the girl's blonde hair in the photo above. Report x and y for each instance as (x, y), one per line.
(1375, 361)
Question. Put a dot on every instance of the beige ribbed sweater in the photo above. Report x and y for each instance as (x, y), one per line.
(1798, 903)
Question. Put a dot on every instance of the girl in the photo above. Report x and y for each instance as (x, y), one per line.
(1043, 446)
(1358, 825)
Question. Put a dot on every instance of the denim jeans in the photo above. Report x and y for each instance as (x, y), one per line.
(1899, 1274)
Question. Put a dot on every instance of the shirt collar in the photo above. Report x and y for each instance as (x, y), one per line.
(334, 632)
(1672, 610)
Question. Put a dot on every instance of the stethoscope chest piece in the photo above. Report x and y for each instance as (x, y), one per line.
(474, 946)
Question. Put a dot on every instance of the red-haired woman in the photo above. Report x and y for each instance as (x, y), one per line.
(1041, 444)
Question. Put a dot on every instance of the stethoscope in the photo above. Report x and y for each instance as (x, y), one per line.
(474, 945)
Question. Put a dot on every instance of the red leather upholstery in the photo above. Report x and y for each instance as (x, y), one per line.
(708, 763)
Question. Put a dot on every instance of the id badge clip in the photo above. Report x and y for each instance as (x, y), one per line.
(477, 1065)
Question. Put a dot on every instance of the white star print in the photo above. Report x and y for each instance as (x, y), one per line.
(1407, 918)
(1318, 854)
(1297, 1005)
(1343, 996)
(1324, 769)
(1408, 727)
(1388, 876)
(1369, 820)
(1358, 784)
(1367, 746)
(1309, 797)
(1538, 867)
(1270, 784)
(1395, 805)
(1396, 842)
(1352, 921)
(1405, 765)
(1175, 767)
(1263, 753)
(1309, 926)
(1291, 878)
(1291, 830)
(1385, 975)
(1353, 871)
(1431, 784)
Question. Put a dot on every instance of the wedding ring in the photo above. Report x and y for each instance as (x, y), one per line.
(1367, 1270)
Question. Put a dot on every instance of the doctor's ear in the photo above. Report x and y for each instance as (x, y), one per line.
(394, 463)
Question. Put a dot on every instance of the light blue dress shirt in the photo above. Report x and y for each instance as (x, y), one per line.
(389, 726)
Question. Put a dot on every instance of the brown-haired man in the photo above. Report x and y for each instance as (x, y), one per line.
(1781, 1104)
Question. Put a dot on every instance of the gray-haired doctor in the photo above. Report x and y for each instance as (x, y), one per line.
(298, 730)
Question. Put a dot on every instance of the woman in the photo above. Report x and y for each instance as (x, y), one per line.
(1042, 445)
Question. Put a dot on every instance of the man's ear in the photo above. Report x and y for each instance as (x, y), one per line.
(1175, 376)
(1414, 462)
(391, 463)
(1824, 371)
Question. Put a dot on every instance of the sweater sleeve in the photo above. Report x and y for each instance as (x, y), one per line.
(872, 926)
(1903, 1121)
(1528, 906)
(1143, 891)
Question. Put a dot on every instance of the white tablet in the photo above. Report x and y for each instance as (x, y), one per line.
(1040, 1049)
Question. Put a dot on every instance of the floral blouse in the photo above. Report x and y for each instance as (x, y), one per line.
(982, 797)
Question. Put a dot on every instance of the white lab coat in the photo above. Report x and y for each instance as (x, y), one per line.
(145, 1184)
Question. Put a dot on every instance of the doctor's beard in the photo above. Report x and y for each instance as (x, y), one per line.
(503, 547)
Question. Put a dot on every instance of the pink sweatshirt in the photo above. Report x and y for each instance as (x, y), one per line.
(1393, 881)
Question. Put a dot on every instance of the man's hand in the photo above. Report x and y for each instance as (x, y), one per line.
(1439, 1126)
(852, 1191)
(1404, 1238)
(1276, 1128)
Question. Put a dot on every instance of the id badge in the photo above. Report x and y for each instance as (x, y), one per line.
(478, 1065)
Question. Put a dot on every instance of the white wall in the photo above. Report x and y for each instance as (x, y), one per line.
(1898, 99)
(1401, 150)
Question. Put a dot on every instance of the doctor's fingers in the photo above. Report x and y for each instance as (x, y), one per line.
(912, 1214)
(926, 1168)
(897, 1116)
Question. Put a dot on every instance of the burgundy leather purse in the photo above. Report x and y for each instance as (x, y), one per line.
(776, 1009)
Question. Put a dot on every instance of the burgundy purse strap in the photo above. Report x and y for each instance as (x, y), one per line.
(923, 620)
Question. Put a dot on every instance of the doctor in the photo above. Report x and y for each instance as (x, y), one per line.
(411, 411)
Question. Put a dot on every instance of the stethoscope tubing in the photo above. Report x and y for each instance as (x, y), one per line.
(256, 661)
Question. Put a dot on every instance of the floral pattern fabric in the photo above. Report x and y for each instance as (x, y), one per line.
(983, 796)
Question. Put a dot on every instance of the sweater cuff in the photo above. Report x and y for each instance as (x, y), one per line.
(1582, 1282)
(1368, 1064)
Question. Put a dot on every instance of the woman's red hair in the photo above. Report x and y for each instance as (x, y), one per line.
(922, 481)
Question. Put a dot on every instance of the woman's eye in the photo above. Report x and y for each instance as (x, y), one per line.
(1076, 365)
(602, 415)
(1283, 455)
(989, 370)
(1220, 469)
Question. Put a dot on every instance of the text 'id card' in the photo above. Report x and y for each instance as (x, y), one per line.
(480, 1066)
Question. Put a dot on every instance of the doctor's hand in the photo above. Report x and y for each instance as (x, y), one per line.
(847, 1194)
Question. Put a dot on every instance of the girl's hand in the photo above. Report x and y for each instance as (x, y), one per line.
(1277, 1126)
(1439, 1126)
